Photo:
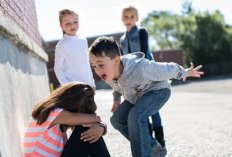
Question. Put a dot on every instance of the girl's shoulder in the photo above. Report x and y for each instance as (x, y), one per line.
(123, 37)
(65, 43)
(61, 43)
(55, 113)
(81, 37)
(142, 29)
(81, 40)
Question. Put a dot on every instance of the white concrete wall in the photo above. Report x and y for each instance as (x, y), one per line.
(23, 83)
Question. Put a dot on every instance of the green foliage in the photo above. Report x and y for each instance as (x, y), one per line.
(204, 37)
(209, 44)
(164, 28)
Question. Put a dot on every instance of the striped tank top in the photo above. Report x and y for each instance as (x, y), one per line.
(39, 141)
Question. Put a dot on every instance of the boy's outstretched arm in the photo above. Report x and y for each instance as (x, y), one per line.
(156, 71)
(193, 72)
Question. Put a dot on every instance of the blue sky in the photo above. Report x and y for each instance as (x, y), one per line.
(98, 17)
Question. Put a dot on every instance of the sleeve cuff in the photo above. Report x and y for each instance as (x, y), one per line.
(117, 96)
(185, 73)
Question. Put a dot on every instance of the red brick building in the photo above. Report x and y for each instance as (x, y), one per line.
(22, 12)
(168, 56)
(160, 56)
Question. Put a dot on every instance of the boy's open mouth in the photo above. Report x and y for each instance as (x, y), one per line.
(103, 77)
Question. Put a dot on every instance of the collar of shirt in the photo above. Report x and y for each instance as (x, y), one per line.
(132, 31)
(69, 36)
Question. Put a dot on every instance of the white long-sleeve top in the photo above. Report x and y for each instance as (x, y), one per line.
(72, 60)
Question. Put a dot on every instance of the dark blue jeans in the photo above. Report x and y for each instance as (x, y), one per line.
(131, 120)
(156, 120)
(77, 147)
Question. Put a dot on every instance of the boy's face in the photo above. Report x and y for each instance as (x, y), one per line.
(104, 67)
(129, 18)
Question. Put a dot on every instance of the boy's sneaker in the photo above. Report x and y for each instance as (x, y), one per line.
(162, 143)
(156, 149)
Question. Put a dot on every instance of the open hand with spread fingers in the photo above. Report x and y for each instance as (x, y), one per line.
(193, 72)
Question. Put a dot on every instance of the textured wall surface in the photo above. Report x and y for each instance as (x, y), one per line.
(23, 83)
(23, 13)
(23, 72)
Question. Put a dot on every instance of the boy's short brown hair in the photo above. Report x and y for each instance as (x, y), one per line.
(105, 45)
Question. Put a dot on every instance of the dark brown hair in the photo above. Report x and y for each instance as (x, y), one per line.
(107, 45)
(64, 12)
(74, 97)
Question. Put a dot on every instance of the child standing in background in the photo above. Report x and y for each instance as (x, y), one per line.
(135, 39)
(71, 57)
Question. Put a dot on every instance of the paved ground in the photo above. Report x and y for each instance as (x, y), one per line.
(197, 121)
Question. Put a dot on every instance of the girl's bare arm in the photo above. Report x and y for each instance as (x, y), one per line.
(71, 119)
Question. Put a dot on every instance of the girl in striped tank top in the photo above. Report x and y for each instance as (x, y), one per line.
(71, 105)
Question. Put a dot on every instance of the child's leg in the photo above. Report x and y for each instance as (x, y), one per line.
(148, 105)
(120, 116)
(158, 129)
(156, 123)
(150, 127)
(98, 149)
(156, 120)
(77, 147)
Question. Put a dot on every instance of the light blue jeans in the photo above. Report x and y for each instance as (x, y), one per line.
(131, 120)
